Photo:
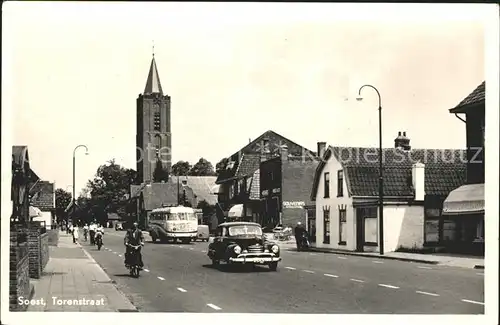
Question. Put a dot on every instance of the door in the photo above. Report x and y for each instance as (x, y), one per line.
(360, 230)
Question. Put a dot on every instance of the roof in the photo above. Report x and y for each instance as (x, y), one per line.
(202, 186)
(246, 161)
(239, 223)
(445, 170)
(474, 98)
(465, 200)
(43, 195)
(157, 194)
(153, 85)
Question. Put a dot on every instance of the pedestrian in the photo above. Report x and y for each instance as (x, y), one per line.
(75, 234)
(299, 233)
(85, 231)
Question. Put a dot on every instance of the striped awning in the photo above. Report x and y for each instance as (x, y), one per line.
(467, 199)
(236, 211)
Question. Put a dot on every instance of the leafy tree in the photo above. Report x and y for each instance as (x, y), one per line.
(221, 165)
(181, 168)
(160, 174)
(202, 168)
(207, 208)
(63, 199)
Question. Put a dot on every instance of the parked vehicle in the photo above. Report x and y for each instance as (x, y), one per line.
(118, 226)
(243, 243)
(134, 266)
(203, 233)
(173, 223)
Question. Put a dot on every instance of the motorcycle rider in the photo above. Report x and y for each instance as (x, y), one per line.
(85, 231)
(92, 229)
(133, 237)
(300, 232)
(99, 232)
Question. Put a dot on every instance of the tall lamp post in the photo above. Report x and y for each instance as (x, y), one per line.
(74, 169)
(381, 172)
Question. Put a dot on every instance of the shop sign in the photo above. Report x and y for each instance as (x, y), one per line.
(293, 204)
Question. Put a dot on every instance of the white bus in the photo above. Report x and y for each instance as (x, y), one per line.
(173, 223)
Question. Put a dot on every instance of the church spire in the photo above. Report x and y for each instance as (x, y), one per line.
(153, 85)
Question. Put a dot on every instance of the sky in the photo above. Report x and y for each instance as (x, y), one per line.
(233, 71)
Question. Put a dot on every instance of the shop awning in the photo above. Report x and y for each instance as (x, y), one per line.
(35, 212)
(236, 211)
(467, 199)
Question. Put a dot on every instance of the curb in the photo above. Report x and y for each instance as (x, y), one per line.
(372, 256)
(134, 309)
(480, 267)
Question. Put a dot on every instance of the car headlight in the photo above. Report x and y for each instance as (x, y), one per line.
(275, 249)
(237, 249)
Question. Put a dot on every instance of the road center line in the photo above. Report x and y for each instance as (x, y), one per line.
(115, 253)
(356, 280)
(428, 293)
(425, 267)
(312, 254)
(290, 268)
(378, 262)
(473, 302)
(214, 306)
(331, 275)
(342, 258)
(388, 286)
(146, 270)
(480, 273)
(182, 290)
(307, 271)
(120, 255)
(191, 249)
(163, 279)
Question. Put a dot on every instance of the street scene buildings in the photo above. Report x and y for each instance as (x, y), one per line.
(372, 229)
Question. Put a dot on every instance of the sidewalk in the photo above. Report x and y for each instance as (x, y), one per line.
(73, 281)
(439, 259)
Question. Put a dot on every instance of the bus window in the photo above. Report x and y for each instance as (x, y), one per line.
(172, 216)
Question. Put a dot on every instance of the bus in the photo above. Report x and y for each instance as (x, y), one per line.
(173, 223)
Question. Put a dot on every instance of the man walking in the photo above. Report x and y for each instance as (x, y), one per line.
(299, 233)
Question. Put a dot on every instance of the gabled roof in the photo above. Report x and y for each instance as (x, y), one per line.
(445, 170)
(153, 85)
(245, 161)
(158, 194)
(43, 195)
(202, 186)
(473, 99)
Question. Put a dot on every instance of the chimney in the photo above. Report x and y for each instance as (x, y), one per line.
(402, 142)
(284, 152)
(321, 149)
(418, 180)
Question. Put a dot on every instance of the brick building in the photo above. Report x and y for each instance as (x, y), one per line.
(43, 198)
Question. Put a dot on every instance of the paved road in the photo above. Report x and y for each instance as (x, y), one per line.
(179, 278)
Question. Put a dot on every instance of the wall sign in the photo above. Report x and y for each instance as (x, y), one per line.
(293, 204)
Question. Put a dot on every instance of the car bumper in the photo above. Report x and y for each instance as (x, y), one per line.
(182, 234)
(259, 259)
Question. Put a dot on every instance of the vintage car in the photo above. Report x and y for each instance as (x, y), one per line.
(243, 243)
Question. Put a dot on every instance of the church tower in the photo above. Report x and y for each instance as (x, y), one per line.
(153, 137)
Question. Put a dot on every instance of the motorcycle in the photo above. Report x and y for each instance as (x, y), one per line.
(134, 267)
(98, 240)
(303, 242)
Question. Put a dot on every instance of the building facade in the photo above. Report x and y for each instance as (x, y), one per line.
(416, 182)
(154, 134)
(464, 207)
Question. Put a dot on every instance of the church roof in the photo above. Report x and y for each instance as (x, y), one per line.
(153, 85)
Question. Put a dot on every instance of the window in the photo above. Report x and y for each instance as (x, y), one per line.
(326, 227)
(342, 226)
(432, 226)
(449, 230)
(327, 185)
(157, 121)
(340, 183)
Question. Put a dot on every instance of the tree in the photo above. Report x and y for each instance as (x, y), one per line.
(160, 174)
(202, 168)
(221, 165)
(181, 168)
(206, 207)
(63, 199)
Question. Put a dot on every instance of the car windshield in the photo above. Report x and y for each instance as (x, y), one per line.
(245, 230)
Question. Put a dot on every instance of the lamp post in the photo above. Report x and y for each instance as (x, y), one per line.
(381, 172)
(74, 168)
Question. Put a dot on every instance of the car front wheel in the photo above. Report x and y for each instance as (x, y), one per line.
(273, 266)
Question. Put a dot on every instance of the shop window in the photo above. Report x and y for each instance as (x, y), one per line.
(340, 183)
(326, 227)
(449, 230)
(327, 185)
(431, 231)
(342, 226)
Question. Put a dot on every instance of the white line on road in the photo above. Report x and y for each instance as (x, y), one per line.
(203, 251)
(473, 302)
(163, 279)
(214, 306)
(115, 253)
(480, 273)
(307, 271)
(342, 258)
(146, 270)
(331, 275)
(388, 286)
(425, 267)
(191, 249)
(120, 255)
(356, 280)
(312, 254)
(182, 290)
(427, 293)
(290, 268)
(378, 262)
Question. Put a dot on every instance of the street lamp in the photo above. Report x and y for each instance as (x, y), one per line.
(74, 160)
(381, 173)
